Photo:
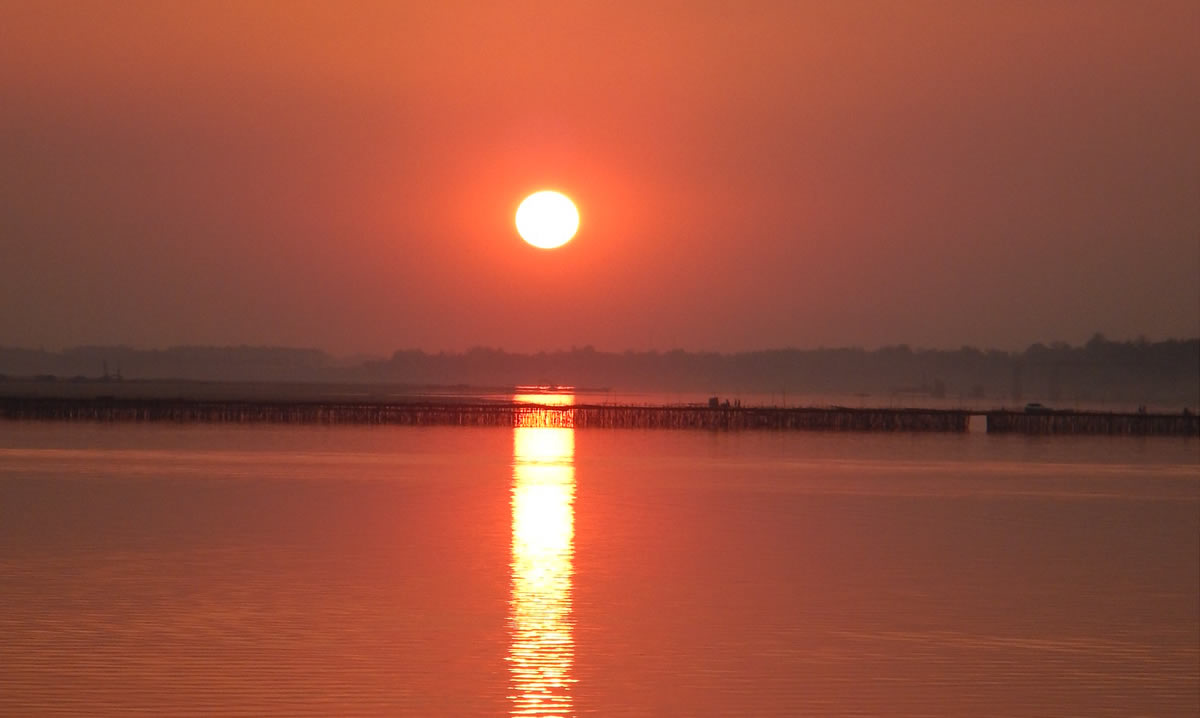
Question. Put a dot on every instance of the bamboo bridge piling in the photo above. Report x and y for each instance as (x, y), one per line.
(480, 414)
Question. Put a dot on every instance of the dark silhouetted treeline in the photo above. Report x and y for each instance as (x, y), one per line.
(1163, 373)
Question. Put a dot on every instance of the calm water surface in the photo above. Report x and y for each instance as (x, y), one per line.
(167, 570)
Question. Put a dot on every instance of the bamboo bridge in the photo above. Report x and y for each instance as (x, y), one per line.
(720, 418)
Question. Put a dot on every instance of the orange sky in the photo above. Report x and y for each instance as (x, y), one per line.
(749, 174)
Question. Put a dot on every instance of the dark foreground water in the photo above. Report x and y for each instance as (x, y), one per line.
(166, 570)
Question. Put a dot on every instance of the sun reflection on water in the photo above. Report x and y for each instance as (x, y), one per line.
(541, 640)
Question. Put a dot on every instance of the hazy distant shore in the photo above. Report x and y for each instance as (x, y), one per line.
(90, 388)
(1101, 374)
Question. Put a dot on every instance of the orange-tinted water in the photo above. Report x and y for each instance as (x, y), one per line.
(341, 571)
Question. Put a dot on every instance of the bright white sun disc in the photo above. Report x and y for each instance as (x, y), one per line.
(547, 219)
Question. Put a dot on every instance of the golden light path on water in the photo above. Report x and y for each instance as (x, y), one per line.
(541, 631)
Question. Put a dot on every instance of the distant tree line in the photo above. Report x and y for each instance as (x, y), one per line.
(235, 363)
(1164, 372)
(1101, 370)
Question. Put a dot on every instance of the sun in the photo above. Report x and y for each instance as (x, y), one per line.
(547, 219)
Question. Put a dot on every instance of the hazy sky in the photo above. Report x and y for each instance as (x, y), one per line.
(749, 174)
